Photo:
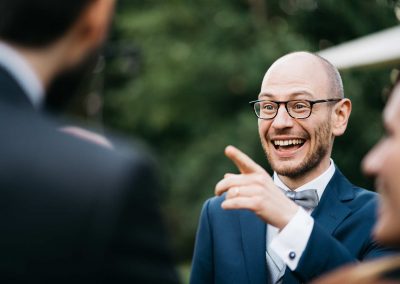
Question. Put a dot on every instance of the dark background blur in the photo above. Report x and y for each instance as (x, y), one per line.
(179, 74)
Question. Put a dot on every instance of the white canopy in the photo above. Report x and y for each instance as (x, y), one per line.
(374, 49)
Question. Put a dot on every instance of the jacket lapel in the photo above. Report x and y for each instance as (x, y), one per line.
(253, 243)
(331, 210)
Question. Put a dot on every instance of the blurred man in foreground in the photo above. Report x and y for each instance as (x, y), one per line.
(71, 211)
(383, 162)
(326, 221)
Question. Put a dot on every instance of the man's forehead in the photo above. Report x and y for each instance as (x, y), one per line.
(297, 70)
(296, 60)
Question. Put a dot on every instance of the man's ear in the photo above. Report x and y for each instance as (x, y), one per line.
(95, 21)
(90, 30)
(340, 116)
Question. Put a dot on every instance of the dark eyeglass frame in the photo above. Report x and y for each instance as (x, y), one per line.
(312, 103)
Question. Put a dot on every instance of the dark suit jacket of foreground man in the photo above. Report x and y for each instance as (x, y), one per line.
(231, 245)
(72, 211)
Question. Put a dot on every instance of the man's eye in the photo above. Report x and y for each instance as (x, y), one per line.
(300, 106)
(267, 106)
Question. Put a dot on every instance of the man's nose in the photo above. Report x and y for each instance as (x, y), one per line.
(374, 160)
(282, 118)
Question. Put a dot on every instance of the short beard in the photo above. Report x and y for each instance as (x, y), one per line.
(311, 162)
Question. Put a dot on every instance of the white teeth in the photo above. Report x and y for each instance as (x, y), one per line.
(288, 142)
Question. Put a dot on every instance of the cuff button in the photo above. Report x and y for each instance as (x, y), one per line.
(292, 255)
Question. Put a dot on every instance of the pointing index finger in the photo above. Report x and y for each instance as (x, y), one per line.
(243, 162)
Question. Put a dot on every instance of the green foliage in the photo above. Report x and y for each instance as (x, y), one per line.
(196, 66)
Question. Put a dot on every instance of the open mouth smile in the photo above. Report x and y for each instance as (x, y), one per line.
(288, 144)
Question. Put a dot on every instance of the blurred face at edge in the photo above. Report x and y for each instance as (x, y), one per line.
(383, 162)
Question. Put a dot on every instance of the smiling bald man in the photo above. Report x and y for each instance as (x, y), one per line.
(307, 218)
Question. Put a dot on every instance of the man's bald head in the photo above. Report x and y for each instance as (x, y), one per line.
(316, 63)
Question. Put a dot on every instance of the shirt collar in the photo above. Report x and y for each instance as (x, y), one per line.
(318, 183)
(23, 73)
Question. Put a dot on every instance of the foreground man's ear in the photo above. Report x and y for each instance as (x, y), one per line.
(96, 21)
(90, 29)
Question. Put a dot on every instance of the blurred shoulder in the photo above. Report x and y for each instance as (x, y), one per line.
(383, 270)
(33, 141)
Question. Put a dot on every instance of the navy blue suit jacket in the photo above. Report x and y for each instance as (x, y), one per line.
(230, 244)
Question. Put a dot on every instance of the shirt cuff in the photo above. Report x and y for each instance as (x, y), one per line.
(290, 243)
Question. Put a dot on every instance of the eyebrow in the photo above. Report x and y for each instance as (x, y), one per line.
(292, 95)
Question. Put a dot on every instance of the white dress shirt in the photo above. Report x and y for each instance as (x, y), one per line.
(293, 238)
(23, 73)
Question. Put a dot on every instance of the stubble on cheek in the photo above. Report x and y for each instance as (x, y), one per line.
(292, 169)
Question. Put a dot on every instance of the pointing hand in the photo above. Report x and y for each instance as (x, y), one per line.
(254, 189)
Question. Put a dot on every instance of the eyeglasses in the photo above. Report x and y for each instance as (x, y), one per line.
(299, 109)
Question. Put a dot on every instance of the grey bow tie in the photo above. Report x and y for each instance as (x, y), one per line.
(305, 198)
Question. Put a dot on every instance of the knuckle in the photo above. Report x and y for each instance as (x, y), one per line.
(260, 179)
(235, 203)
(258, 202)
(229, 193)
